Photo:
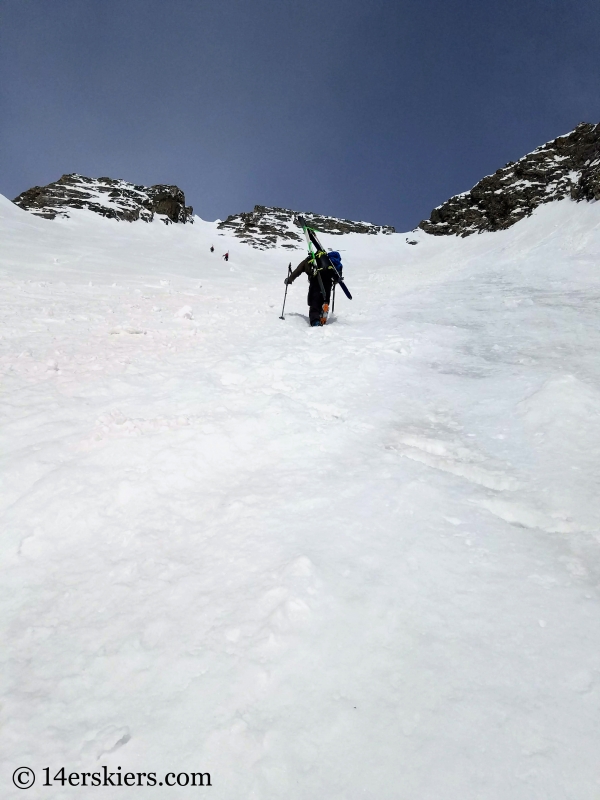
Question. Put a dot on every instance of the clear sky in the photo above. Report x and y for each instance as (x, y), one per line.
(374, 110)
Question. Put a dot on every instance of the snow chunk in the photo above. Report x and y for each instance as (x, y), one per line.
(127, 329)
(185, 313)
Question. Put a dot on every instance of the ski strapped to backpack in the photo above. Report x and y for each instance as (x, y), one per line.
(320, 260)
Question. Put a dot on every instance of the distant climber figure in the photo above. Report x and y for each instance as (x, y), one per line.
(212, 249)
(226, 256)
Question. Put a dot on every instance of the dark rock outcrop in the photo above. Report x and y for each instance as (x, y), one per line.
(111, 198)
(568, 166)
(267, 226)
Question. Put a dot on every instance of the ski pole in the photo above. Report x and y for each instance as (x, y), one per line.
(333, 300)
(286, 288)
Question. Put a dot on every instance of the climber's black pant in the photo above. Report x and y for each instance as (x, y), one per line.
(315, 297)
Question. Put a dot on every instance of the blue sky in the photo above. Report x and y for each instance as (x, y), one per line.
(373, 110)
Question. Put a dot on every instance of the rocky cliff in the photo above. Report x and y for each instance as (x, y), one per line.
(568, 166)
(115, 199)
(267, 227)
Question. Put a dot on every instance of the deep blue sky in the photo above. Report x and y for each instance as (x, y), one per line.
(368, 109)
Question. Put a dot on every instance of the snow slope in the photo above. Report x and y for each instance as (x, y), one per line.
(352, 562)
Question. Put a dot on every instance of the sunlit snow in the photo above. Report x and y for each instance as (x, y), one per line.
(351, 562)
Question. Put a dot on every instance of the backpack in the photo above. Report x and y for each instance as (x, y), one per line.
(336, 260)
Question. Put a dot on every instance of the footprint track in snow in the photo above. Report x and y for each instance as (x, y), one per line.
(455, 458)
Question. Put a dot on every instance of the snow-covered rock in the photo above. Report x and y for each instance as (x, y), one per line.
(568, 166)
(267, 227)
(112, 198)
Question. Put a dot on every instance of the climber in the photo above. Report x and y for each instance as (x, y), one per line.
(316, 301)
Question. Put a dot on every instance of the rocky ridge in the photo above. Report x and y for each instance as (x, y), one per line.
(568, 166)
(111, 198)
(267, 226)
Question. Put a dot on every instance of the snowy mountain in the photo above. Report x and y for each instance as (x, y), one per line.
(115, 199)
(359, 561)
(264, 228)
(267, 227)
(568, 166)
